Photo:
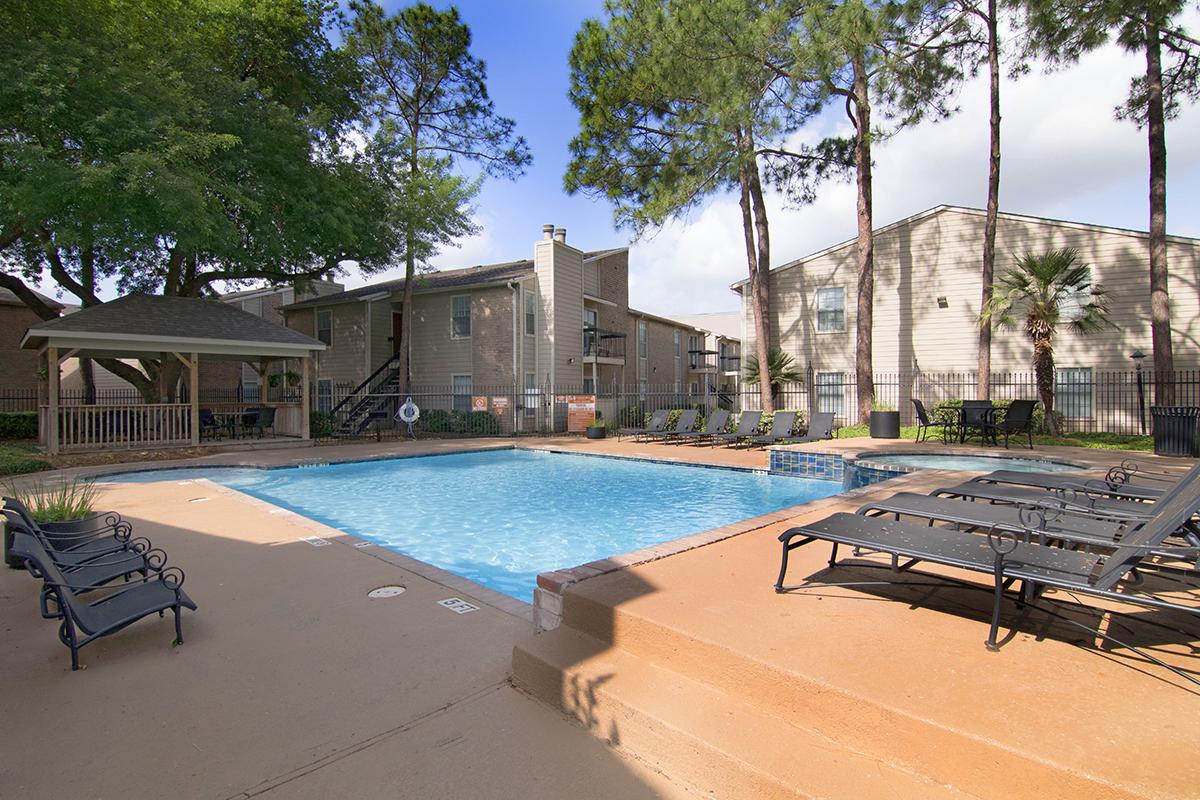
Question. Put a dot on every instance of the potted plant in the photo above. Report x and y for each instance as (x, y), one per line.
(885, 422)
(596, 429)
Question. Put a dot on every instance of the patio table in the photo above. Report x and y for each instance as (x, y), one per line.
(961, 424)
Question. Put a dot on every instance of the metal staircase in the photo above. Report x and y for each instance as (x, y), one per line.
(372, 399)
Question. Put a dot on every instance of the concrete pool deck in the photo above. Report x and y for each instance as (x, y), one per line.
(292, 683)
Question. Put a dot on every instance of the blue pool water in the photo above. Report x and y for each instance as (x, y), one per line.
(501, 517)
(970, 463)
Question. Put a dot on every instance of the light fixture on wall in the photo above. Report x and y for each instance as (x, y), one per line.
(943, 302)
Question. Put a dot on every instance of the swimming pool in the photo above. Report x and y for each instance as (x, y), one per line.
(500, 517)
(966, 463)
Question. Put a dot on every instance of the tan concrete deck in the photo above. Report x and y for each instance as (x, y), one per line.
(292, 683)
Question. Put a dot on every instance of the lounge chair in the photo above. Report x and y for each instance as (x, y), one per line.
(685, 423)
(747, 426)
(819, 428)
(1100, 506)
(84, 622)
(925, 423)
(715, 424)
(97, 534)
(781, 430)
(1003, 555)
(658, 421)
(1018, 419)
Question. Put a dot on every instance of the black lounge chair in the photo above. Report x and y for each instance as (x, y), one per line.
(1066, 480)
(1018, 419)
(658, 420)
(97, 534)
(819, 428)
(1071, 499)
(781, 430)
(716, 423)
(925, 424)
(685, 423)
(84, 622)
(747, 426)
(1004, 555)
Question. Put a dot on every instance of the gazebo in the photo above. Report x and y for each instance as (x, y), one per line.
(155, 326)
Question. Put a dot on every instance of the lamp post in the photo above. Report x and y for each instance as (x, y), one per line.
(1137, 356)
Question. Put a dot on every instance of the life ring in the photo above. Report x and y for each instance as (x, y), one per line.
(408, 412)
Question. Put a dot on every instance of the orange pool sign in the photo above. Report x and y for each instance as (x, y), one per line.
(581, 409)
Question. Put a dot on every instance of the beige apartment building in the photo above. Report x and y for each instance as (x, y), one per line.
(560, 319)
(927, 297)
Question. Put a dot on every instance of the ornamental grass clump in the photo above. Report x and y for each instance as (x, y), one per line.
(56, 502)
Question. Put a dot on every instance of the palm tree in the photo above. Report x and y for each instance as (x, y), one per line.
(1045, 290)
(780, 370)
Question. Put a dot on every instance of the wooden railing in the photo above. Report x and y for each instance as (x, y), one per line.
(123, 425)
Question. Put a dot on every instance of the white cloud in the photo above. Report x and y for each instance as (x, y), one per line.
(1063, 155)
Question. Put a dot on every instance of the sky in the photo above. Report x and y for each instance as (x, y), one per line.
(1063, 156)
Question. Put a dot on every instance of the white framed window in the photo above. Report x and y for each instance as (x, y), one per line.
(1073, 392)
(462, 388)
(532, 398)
(830, 391)
(460, 316)
(641, 338)
(590, 336)
(325, 328)
(324, 395)
(831, 310)
(530, 300)
(1071, 303)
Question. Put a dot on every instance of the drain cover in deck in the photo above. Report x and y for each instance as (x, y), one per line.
(385, 591)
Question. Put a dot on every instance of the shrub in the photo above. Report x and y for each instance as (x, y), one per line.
(56, 502)
(435, 420)
(320, 424)
(633, 417)
(483, 423)
(18, 425)
(15, 461)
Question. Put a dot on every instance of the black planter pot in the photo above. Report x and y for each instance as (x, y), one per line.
(885, 424)
(596, 432)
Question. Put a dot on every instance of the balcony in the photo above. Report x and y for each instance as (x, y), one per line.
(603, 347)
(702, 361)
(730, 364)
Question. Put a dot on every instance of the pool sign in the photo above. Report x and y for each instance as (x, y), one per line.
(479, 403)
(581, 409)
(500, 405)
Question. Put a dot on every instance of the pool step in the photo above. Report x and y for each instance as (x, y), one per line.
(709, 741)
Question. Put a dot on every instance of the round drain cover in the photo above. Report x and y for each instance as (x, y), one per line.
(385, 591)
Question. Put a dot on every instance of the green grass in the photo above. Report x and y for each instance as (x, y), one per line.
(1095, 441)
(20, 458)
(56, 502)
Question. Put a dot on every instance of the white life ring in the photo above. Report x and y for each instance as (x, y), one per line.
(408, 412)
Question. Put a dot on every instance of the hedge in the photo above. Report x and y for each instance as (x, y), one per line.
(18, 425)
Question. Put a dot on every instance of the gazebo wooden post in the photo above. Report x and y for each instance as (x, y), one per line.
(305, 397)
(52, 390)
(194, 394)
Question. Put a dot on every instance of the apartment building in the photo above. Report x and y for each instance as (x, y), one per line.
(717, 349)
(927, 298)
(19, 367)
(560, 319)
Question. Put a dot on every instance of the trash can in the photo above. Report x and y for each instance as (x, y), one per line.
(1176, 430)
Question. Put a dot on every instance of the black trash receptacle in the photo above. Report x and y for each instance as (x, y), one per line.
(1176, 430)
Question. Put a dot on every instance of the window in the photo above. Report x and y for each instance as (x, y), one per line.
(462, 392)
(1072, 302)
(642, 390)
(1073, 392)
(590, 325)
(589, 385)
(693, 356)
(830, 392)
(460, 316)
(325, 327)
(530, 313)
(324, 395)
(831, 310)
(532, 399)
(641, 338)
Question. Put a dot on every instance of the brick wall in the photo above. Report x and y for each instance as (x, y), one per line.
(19, 367)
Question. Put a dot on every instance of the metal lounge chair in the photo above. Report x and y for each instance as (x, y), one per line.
(97, 534)
(716, 423)
(747, 426)
(84, 622)
(925, 424)
(781, 430)
(819, 428)
(1074, 500)
(658, 421)
(1003, 555)
(1018, 419)
(685, 423)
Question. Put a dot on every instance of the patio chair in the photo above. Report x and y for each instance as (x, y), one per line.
(819, 428)
(781, 430)
(1018, 419)
(264, 421)
(208, 422)
(925, 423)
(658, 421)
(685, 423)
(83, 622)
(1003, 555)
(979, 416)
(247, 420)
(747, 426)
(716, 423)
